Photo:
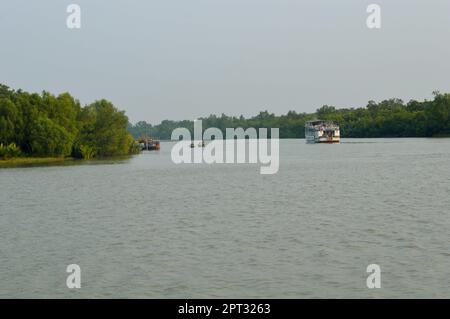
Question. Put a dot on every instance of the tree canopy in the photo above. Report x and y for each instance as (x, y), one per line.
(388, 118)
(48, 125)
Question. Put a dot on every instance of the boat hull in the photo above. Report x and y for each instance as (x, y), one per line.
(313, 140)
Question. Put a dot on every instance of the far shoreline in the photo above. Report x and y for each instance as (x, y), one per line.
(28, 161)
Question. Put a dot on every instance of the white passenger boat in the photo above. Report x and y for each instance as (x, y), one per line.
(319, 131)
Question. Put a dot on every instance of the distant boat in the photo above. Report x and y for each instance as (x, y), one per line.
(319, 131)
(149, 144)
(200, 144)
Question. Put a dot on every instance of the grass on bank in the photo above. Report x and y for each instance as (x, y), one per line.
(23, 161)
(50, 161)
(12, 156)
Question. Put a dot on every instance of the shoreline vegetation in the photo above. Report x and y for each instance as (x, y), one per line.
(44, 128)
(30, 161)
(386, 119)
(51, 161)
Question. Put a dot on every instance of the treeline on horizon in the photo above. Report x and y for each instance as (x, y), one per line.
(389, 118)
(45, 125)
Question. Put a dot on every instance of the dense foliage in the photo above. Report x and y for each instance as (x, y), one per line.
(9, 151)
(48, 125)
(389, 118)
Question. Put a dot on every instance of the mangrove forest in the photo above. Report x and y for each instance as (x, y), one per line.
(388, 118)
(45, 125)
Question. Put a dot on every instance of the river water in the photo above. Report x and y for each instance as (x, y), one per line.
(147, 228)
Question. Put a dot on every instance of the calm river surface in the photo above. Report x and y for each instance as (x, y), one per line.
(147, 228)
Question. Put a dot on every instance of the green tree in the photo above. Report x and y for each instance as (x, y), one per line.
(9, 117)
(104, 129)
(50, 139)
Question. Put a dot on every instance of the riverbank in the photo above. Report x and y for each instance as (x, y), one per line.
(50, 161)
(29, 161)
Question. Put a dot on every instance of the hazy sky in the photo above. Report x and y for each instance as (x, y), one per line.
(181, 59)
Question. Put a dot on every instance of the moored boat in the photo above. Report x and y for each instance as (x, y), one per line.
(149, 144)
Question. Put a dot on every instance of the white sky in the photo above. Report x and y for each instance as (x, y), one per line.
(181, 59)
